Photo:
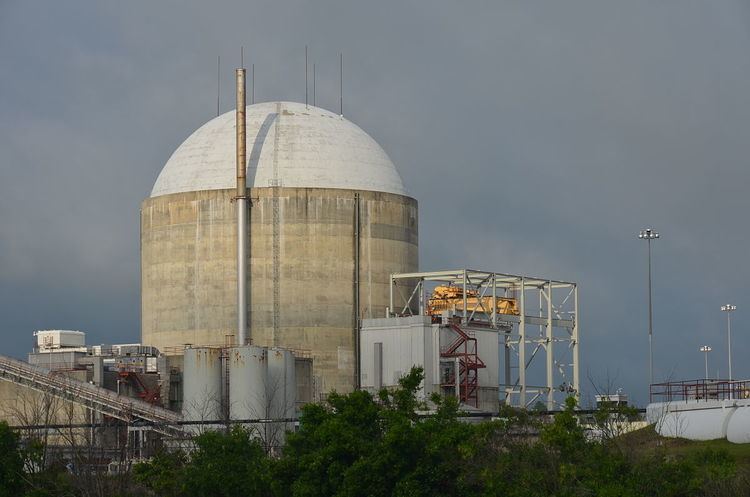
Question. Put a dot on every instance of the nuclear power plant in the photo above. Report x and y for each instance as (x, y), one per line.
(280, 262)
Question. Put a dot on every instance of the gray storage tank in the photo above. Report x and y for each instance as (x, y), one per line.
(247, 382)
(202, 384)
(281, 395)
(281, 383)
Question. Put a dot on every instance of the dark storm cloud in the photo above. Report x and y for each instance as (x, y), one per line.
(542, 134)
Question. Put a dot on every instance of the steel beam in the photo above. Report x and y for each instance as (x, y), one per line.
(550, 351)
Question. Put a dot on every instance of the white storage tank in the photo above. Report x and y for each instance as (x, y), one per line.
(202, 385)
(290, 364)
(247, 382)
(738, 424)
(281, 383)
(281, 396)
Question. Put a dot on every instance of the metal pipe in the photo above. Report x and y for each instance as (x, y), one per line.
(499, 361)
(422, 299)
(550, 351)
(457, 377)
(522, 345)
(576, 328)
(506, 340)
(390, 308)
(357, 343)
(241, 138)
(494, 307)
(465, 298)
(341, 84)
(242, 211)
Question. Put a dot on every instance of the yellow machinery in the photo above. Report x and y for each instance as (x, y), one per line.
(451, 298)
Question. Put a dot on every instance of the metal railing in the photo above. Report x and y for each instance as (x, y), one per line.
(180, 349)
(703, 389)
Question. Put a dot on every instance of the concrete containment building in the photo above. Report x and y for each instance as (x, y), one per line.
(330, 220)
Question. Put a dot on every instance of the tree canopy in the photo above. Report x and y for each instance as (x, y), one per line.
(11, 463)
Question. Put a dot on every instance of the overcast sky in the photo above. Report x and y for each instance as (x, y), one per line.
(539, 137)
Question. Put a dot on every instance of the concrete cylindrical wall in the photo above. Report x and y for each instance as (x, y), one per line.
(302, 270)
(202, 385)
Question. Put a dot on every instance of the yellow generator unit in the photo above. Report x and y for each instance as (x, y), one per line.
(451, 298)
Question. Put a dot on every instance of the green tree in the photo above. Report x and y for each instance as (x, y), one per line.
(330, 440)
(565, 434)
(163, 474)
(11, 463)
(360, 446)
(231, 464)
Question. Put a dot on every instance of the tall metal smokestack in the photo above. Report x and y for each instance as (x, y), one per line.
(242, 212)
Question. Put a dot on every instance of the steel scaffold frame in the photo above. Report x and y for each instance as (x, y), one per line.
(555, 319)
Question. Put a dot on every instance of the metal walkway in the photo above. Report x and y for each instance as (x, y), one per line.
(98, 399)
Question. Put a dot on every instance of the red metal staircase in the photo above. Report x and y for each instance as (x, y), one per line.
(464, 347)
(150, 395)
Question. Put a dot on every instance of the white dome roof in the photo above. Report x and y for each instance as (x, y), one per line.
(288, 144)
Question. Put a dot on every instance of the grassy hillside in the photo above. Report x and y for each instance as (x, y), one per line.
(646, 439)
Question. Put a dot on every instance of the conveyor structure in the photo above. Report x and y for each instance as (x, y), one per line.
(98, 399)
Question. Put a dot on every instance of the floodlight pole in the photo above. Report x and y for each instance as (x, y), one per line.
(728, 308)
(648, 235)
(650, 322)
(705, 349)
